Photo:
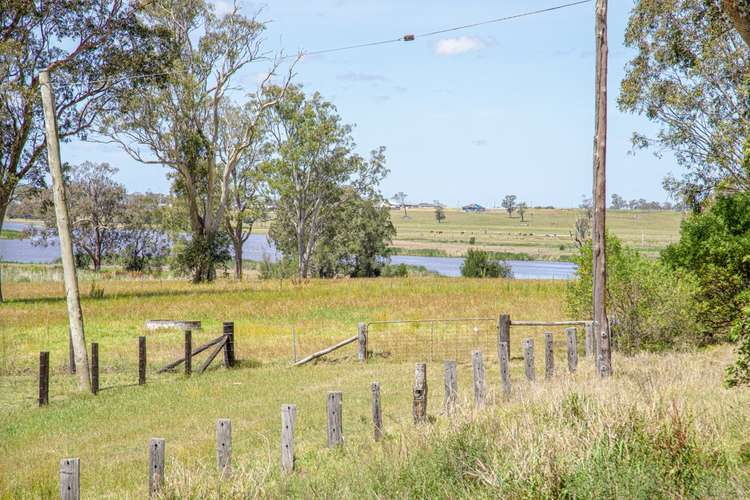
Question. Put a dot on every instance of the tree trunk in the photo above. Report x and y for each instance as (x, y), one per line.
(604, 355)
(4, 202)
(740, 17)
(237, 258)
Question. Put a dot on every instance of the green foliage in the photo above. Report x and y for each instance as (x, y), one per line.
(479, 264)
(650, 305)
(199, 256)
(284, 269)
(689, 75)
(714, 247)
(739, 372)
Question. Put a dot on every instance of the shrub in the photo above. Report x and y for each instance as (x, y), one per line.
(739, 372)
(479, 264)
(283, 269)
(650, 306)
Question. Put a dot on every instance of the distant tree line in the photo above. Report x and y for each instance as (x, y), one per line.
(620, 203)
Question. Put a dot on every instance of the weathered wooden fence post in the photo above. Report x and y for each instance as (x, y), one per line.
(288, 416)
(503, 332)
(335, 419)
(71, 354)
(504, 368)
(141, 360)
(229, 344)
(549, 355)
(572, 349)
(451, 386)
(377, 412)
(528, 359)
(188, 352)
(95, 368)
(70, 479)
(362, 342)
(43, 378)
(224, 446)
(589, 345)
(477, 364)
(156, 466)
(419, 407)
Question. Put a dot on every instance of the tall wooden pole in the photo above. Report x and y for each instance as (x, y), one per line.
(601, 327)
(75, 315)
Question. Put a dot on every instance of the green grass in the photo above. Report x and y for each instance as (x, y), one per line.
(662, 427)
(11, 234)
(545, 234)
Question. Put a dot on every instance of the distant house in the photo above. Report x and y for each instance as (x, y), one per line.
(474, 207)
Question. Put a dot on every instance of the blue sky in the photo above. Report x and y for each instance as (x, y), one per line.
(468, 116)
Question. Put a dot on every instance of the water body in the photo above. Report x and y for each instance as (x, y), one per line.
(257, 247)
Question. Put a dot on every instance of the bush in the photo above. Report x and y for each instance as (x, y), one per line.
(739, 372)
(650, 306)
(283, 269)
(199, 256)
(479, 264)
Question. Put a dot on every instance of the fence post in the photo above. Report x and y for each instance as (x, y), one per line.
(95, 367)
(71, 354)
(70, 479)
(335, 419)
(451, 386)
(419, 407)
(188, 352)
(377, 413)
(156, 466)
(477, 364)
(141, 360)
(43, 378)
(549, 355)
(288, 416)
(362, 342)
(504, 368)
(528, 358)
(589, 345)
(503, 332)
(572, 350)
(229, 345)
(224, 446)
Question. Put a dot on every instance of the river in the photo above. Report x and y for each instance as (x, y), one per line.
(258, 246)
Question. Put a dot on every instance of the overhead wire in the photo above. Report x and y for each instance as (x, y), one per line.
(403, 38)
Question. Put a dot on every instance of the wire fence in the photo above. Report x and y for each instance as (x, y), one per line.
(431, 339)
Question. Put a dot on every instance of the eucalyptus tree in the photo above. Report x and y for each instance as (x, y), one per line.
(177, 120)
(249, 193)
(314, 165)
(86, 46)
(689, 75)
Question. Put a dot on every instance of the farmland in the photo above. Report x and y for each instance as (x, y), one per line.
(545, 233)
(574, 435)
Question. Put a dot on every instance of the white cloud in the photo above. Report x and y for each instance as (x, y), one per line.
(459, 45)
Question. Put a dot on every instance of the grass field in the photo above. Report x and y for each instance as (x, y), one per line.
(662, 427)
(546, 233)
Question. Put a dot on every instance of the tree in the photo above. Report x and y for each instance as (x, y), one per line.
(400, 197)
(479, 264)
(249, 194)
(96, 206)
(178, 121)
(86, 46)
(313, 165)
(509, 204)
(144, 243)
(618, 202)
(713, 247)
(690, 76)
(521, 208)
(355, 242)
(439, 212)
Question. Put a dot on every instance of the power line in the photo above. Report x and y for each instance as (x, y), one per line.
(403, 38)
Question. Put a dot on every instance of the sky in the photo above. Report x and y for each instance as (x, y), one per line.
(467, 116)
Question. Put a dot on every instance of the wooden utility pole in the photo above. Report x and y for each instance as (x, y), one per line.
(601, 326)
(75, 315)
